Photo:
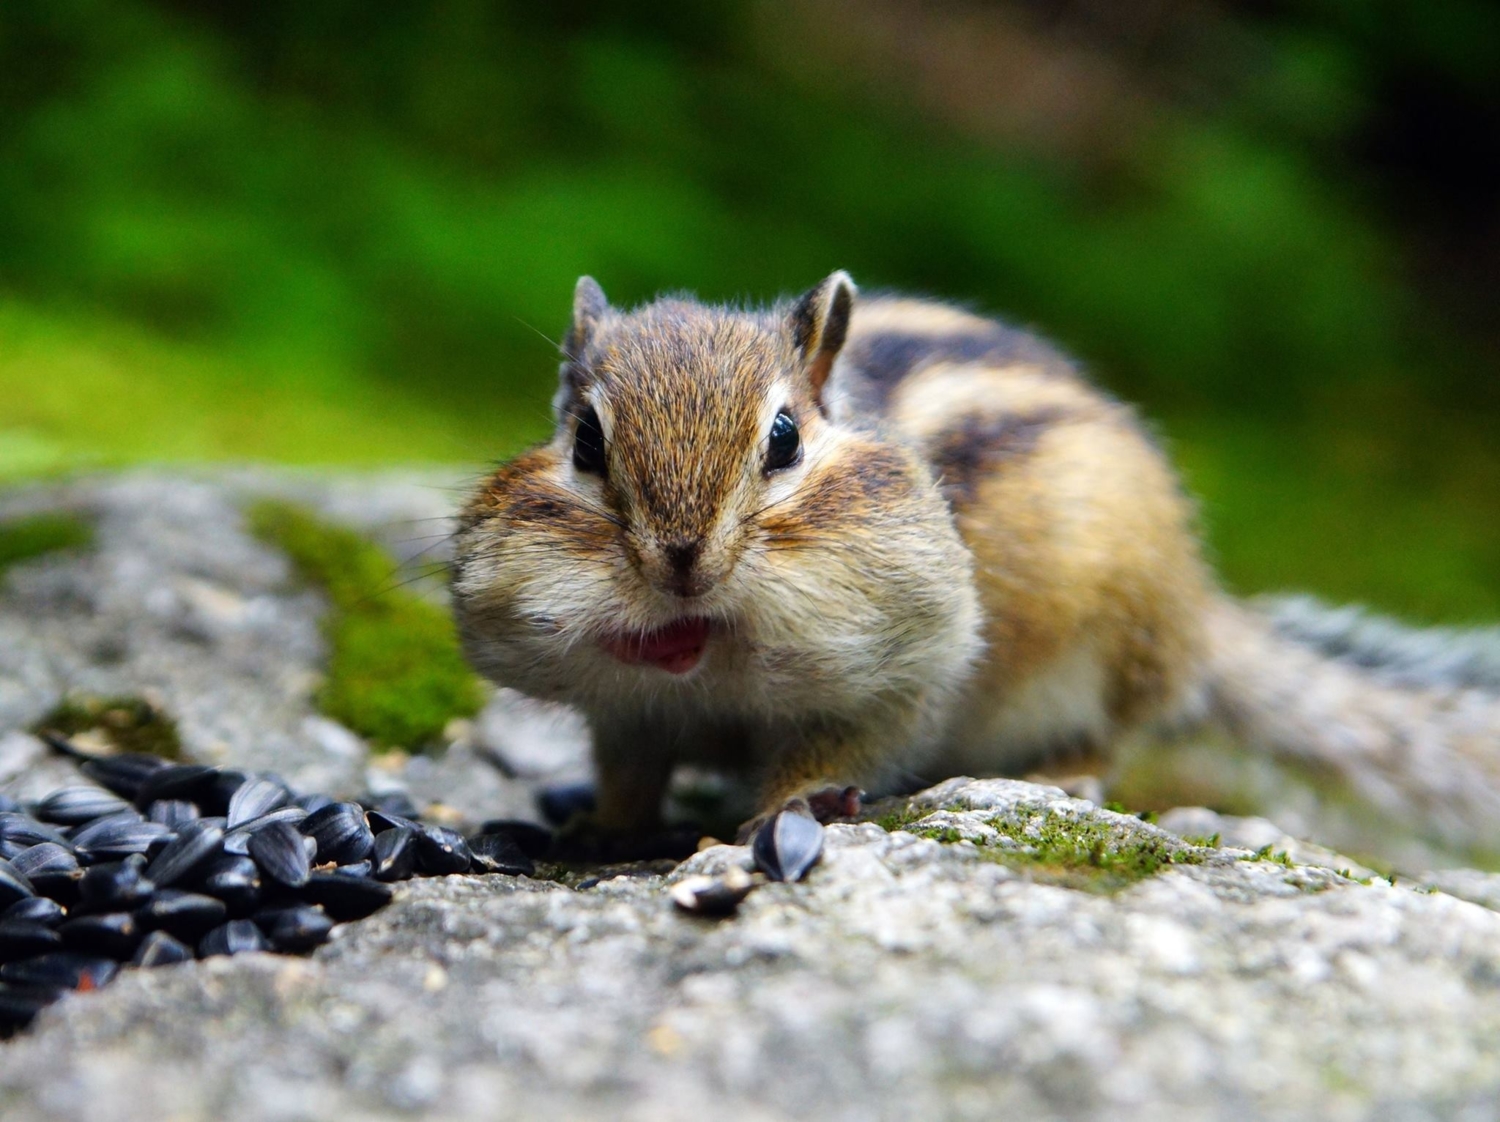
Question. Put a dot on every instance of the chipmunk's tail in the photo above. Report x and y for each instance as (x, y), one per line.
(1409, 720)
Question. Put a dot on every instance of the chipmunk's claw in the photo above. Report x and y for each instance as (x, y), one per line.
(790, 843)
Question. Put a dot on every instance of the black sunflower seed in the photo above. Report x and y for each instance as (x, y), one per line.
(115, 934)
(35, 909)
(235, 937)
(22, 939)
(19, 1004)
(123, 774)
(187, 915)
(118, 836)
(196, 844)
(161, 949)
(172, 812)
(395, 854)
(279, 853)
(254, 798)
(46, 857)
(383, 820)
(498, 853)
(363, 868)
(73, 806)
(225, 784)
(295, 929)
(346, 898)
(341, 833)
(13, 884)
(238, 839)
(24, 830)
(441, 851)
(788, 845)
(115, 886)
(534, 840)
(66, 969)
(188, 782)
(234, 880)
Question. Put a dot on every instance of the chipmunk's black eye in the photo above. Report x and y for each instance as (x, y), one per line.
(588, 443)
(783, 445)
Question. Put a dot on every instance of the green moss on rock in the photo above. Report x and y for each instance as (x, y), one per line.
(1083, 853)
(395, 672)
(125, 724)
(21, 539)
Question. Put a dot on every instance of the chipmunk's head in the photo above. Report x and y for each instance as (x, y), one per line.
(684, 421)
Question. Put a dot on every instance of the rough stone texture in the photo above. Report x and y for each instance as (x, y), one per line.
(906, 978)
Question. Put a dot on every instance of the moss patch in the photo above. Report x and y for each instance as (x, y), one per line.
(24, 538)
(1081, 853)
(395, 672)
(124, 724)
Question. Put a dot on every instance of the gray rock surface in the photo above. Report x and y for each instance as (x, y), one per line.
(905, 978)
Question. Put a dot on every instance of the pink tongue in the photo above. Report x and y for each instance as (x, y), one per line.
(675, 648)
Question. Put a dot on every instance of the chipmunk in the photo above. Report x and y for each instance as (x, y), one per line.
(847, 541)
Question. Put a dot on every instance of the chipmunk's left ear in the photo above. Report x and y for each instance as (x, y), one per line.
(819, 323)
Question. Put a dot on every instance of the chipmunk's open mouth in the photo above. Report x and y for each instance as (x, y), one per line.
(675, 648)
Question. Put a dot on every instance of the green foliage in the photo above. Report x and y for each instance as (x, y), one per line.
(323, 234)
(395, 673)
(24, 538)
(122, 724)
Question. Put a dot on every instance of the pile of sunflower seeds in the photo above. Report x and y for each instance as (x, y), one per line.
(160, 863)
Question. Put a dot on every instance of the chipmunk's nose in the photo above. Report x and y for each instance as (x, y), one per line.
(685, 577)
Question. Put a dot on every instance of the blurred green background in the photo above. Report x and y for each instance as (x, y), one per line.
(344, 233)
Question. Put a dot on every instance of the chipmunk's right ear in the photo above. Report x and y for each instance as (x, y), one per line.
(589, 307)
(820, 323)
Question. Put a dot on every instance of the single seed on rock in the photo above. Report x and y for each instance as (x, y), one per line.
(341, 833)
(115, 886)
(278, 852)
(295, 930)
(13, 884)
(254, 798)
(497, 853)
(441, 851)
(114, 934)
(20, 938)
(196, 844)
(161, 949)
(395, 855)
(346, 898)
(62, 968)
(35, 909)
(712, 896)
(788, 845)
(73, 806)
(187, 915)
(235, 937)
